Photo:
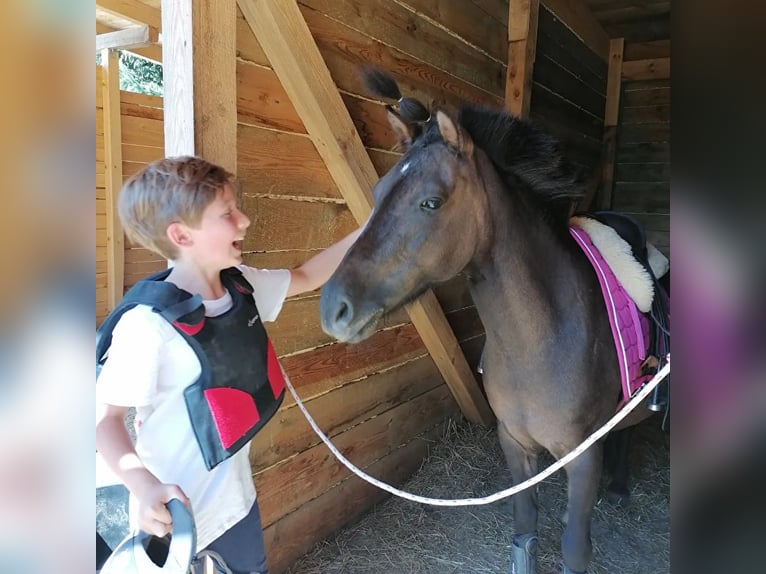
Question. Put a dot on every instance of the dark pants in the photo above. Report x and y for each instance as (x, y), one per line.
(241, 547)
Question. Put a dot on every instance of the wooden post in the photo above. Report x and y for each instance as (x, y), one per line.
(522, 47)
(285, 38)
(115, 242)
(611, 121)
(199, 65)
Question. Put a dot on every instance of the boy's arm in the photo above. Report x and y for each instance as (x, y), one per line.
(316, 271)
(116, 448)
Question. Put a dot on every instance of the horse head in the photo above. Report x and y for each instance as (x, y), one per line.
(426, 226)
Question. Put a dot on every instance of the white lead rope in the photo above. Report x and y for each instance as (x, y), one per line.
(610, 424)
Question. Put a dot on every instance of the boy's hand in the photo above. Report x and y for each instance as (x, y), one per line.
(153, 515)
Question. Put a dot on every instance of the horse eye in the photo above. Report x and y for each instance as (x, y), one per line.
(432, 203)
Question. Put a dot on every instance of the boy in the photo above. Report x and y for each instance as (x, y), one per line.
(186, 210)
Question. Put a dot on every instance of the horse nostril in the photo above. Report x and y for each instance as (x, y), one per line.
(343, 313)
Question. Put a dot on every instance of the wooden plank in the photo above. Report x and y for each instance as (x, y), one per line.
(135, 10)
(141, 153)
(248, 48)
(443, 346)
(657, 69)
(294, 534)
(605, 195)
(199, 39)
(278, 224)
(498, 9)
(644, 197)
(262, 101)
(276, 164)
(319, 370)
(645, 114)
(644, 30)
(571, 57)
(522, 50)
(647, 50)
(127, 39)
(653, 172)
(392, 24)
(578, 18)
(290, 484)
(151, 53)
(612, 14)
(143, 131)
(643, 133)
(345, 50)
(287, 41)
(141, 99)
(645, 97)
(136, 111)
(553, 28)
(115, 244)
(561, 81)
(476, 27)
(643, 152)
(614, 82)
(340, 409)
(552, 106)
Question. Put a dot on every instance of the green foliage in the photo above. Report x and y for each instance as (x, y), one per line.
(138, 75)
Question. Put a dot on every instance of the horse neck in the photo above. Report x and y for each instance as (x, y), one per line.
(525, 274)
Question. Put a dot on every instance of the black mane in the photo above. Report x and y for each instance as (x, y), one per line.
(523, 153)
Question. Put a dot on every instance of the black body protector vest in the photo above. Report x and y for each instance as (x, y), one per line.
(241, 385)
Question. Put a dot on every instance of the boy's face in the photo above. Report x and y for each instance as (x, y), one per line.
(217, 241)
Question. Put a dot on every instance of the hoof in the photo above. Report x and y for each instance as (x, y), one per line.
(618, 498)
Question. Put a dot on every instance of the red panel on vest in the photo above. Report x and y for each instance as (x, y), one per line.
(274, 372)
(190, 330)
(234, 413)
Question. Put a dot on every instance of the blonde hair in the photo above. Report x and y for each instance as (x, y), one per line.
(170, 190)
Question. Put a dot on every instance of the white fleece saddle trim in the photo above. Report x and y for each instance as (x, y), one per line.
(616, 252)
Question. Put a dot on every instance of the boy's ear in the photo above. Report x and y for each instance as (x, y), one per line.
(178, 235)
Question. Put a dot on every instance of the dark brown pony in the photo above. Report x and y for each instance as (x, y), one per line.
(489, 195)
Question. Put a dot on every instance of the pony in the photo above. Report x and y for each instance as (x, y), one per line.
(489, 195)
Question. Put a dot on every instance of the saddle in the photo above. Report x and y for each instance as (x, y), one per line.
(637, 265)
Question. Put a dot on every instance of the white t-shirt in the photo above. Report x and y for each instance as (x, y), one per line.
(148, 367)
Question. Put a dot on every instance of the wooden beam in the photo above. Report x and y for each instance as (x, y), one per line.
(522, 47)
(134, 10)
(576, 15)
(152, 53)
(115, 242)
(654, 69)
(611, 121)
(199, 51)
(127, 39)
(294, 56)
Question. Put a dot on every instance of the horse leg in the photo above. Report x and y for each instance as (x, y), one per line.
(583, 476)
(523, 465)
(617, 449)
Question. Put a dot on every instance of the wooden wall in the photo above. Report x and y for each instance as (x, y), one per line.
(142, 142)
(568, 91)
(642, 163)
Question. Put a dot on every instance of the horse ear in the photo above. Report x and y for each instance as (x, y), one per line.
(401, 129)
(452, 133)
